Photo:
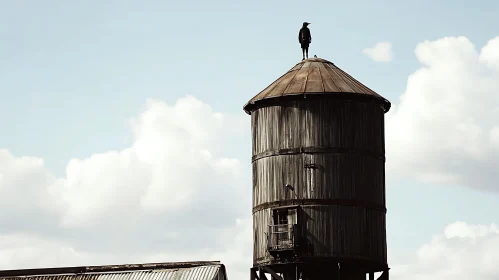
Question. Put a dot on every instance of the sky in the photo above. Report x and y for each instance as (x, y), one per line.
(123, 136)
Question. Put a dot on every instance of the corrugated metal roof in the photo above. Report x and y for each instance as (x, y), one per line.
(314, 76)
(160, 271)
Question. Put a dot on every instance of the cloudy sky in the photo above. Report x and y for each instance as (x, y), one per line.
(123, 137)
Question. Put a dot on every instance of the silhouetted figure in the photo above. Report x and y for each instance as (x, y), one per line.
(305, 39)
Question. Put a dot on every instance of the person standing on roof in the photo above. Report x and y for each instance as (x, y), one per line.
(305, 38)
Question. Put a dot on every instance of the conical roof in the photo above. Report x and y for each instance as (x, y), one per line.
(314, 76)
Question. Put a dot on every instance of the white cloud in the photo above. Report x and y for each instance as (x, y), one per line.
(444, 129)
(381, 52)
(461, 251)
(25, 187)
(173, 195)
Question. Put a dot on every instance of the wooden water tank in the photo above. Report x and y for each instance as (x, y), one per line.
(318, 156)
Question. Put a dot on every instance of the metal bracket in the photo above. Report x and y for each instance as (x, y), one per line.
(311, 166)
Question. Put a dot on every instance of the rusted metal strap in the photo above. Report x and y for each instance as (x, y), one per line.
(319, 202)
(319, 150)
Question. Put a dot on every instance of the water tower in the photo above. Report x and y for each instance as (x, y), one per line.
(318, 156)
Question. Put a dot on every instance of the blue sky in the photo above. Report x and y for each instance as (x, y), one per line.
(73, 73)
(78, 70)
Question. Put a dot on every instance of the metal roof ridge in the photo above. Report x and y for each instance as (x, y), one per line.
(104, 268)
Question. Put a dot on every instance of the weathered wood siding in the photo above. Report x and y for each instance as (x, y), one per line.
(351, 169)
(323, 123)
(337, 176)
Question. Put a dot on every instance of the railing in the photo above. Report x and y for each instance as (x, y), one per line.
(281, 237)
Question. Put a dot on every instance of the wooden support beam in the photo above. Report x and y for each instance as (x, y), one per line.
(291, 273)
(384, 275)
(254, 275)
(262, 274)
(271, 272)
